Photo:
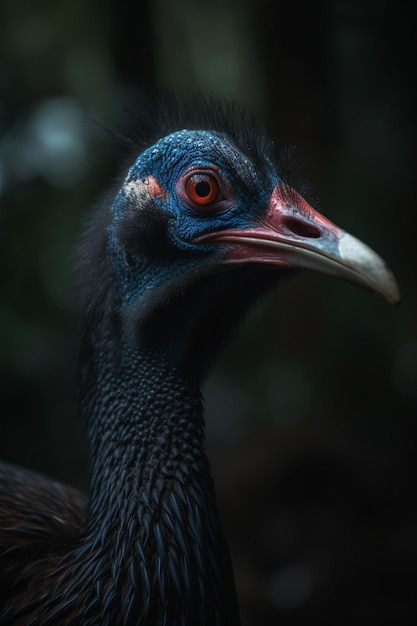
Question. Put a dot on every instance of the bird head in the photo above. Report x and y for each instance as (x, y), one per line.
(204, 222)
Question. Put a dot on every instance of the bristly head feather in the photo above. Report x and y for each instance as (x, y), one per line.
(150, 118)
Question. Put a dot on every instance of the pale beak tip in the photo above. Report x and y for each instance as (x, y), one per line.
(393, 295)
(370, 269)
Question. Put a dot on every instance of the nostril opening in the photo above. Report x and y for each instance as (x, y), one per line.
(301, 228)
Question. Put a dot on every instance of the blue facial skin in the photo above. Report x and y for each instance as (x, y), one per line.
(168, 160)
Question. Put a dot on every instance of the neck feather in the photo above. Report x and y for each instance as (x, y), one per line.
(152, 499)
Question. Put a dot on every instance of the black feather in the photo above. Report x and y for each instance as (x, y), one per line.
(147, 548)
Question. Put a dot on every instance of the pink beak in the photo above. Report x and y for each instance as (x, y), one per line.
(293, 234)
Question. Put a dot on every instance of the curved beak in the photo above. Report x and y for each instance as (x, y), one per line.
(293, 234)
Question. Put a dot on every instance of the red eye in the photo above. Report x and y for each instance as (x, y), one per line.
(201, 188)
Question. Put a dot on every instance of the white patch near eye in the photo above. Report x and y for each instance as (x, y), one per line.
(144, 189)
(137, 188)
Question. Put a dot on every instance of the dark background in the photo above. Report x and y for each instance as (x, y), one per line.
(311, 413)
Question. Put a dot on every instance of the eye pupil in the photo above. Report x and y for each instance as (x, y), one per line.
(203, 189)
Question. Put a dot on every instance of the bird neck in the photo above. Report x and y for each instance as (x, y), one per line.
(152, 498)
(144, 422)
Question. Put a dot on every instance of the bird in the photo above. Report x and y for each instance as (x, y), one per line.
(203, 221)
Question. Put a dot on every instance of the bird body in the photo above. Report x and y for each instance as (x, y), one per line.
(151, 537)
(202, 224)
